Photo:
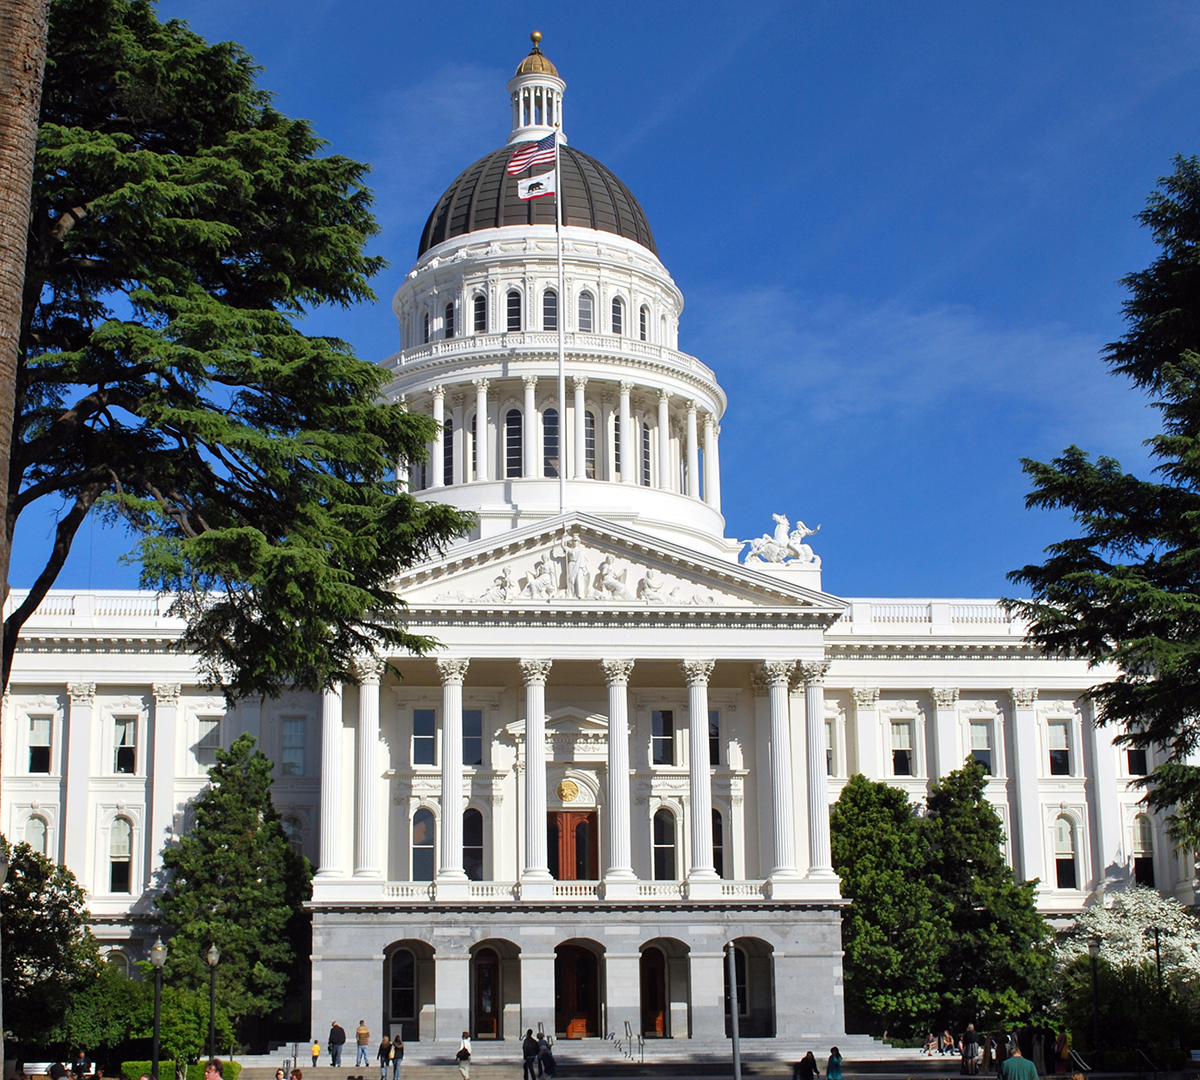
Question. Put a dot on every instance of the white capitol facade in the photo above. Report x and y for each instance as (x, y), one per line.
(623, 755)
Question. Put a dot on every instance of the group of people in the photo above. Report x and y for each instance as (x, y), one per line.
(807, 1069)
(990, 1052)
(537, 1055)
(389, 1055)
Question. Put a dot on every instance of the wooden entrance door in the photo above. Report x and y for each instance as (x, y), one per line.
(576, 992)
(572, 846)
(654, 993)
(487, 994)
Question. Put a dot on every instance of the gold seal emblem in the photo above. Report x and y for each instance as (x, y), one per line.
(568, 790)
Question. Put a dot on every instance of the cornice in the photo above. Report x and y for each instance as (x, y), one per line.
(1012, 649)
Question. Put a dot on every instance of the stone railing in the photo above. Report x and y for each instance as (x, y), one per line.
(927, 618)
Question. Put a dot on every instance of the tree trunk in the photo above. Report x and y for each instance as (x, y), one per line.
(23, 26)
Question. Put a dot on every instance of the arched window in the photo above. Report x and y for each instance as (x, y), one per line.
(35, 834)
(514, 311)
(1143, 851)
(425, 328)
(474, 452)
(585, 313)
(550, 442)
(589, 444)
(119, 961)
(293, 831)
(662, 330)
(120, 856)
(645, 454)
(644, 323)
(404, 985)
(739, 973)
(481, 314)
(512, 443)
(618, 316)
(549, 310)
(1064, 853)
(422, 845)
(448, 452)
(472, 834)
(664, 845)
(616, 445)
(448, 321)
(718, 832)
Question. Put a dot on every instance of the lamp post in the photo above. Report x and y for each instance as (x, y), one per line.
(214, 954)
(1094, 953)
(158, 957)
(1156, 930)
(731, 968)
(3, 878)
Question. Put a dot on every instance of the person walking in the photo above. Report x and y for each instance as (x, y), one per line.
(362, 1039)
(806, 1068)
(549, 1065)
(463, 1057)
(1017, 1067)
(833, 1067)
(337, 1039)
(970, 1051)
(397, 1056)
(316, 1052)
(543, 1050)
(384, 1057)
(529, 1053)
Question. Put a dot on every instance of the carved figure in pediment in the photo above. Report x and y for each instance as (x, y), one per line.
(652, 588)
(611, 585)
(504, 588)
(541, 584)
(578, 579)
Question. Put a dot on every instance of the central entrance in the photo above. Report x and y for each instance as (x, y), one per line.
(654, 992)
(576, 992)
(572, 848)
(487, 994)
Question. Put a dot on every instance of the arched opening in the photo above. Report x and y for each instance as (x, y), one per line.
(120, 856)
(35, 834)
(665, 994)
(585, 320)
(653, 969)
(577, 989)
(425, 328)
(550, 442)
(423, 831)
(293, 831)
(448, 321)
(618, 316)
(664, 845)
(549, 310)
(118, 961)
(1143, 851)
(495, 989)
(718, 834)
(755, 971)
(514, 311)
(644, 323)
(1065, 870)
(481, 314)
(513, 453)
(589, 444)
(645, 453)
(448, 452)
(408, 983)
(472, 838)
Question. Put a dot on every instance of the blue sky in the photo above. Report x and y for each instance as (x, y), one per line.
(899, 229)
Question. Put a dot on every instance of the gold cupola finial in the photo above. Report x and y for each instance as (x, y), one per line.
(536, 63)
(536, 38)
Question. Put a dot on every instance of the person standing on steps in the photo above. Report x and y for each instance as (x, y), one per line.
(316, 1052)
(1017, 1067)
(337, 1039)
(970, 1051)
(529, 1052)
(385, 1058)
(362, 1039)
(463, 1057)
(833, 1068)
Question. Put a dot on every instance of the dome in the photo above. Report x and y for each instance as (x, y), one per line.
(536, 63)
(485, 197)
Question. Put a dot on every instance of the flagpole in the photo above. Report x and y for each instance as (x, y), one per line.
(562, 342)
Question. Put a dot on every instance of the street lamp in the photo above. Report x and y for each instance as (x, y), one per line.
(1094, 953)
(214, 954)
(158, 957)
(1156, 930)
(3, 878)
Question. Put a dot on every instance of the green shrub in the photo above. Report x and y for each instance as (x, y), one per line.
(131, 1070)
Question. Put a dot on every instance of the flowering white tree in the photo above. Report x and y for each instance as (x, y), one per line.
(1122, 924)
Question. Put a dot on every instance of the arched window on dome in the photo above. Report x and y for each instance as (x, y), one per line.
(472, 840)
(120, 856)
(35, 834)
(618, 316)
(718, 834)
(644, 323)
(448, 321)
(474, 451)
(550, 442)
(1143, 851)
(616, 445)
(425, 328)
(514, 311)
(664, 845)
(448, 452)
(662, 330)
(589, 444)
(549, 310)
(481, 314)
(585, 313)
(513, 451)
(422, 845)
(1066, 872)
(645, 453)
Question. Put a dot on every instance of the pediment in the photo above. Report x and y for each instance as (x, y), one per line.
(578, 561)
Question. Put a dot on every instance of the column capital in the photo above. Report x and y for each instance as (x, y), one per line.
(402, 401)
(82, 693)
(535, 671)
(530, 381)
(438, 392)
(370, 669)
(480, 385)
(710, 421)
(696, 671)
(812, 674)
(453, 671)
(945, 697)
(664, 395)
(866, 696)
(774, 672)
(616, 671)
(579, 381)
(1023, 697)
(691, 405)
(167, 694)
(626, 386)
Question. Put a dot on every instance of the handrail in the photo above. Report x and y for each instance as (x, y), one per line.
(1145, 1057)
(1083, 1065)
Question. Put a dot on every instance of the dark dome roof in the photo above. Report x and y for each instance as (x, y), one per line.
(485, 197)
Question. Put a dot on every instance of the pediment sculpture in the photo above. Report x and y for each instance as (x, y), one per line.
(786, 545)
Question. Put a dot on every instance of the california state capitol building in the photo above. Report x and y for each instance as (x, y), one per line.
(624, 752)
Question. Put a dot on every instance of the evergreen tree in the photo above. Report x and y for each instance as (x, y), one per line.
(234, 881)
(994, 962)
(48, 952)
(181, 229)
(892, 932)
(1126, 589)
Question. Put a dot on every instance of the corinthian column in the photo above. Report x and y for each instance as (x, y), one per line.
(579, 465)
(529, 465)
(783, 808)
(620, 863)
(693, 453)
(331, 779)
(710, 460)
(699, 771)
(366, 780)
(436, 463)
(819, 861)
(481, 429)
(534, 673)
(453, 674)
(162, 779)
(628, 465)
(664, 440)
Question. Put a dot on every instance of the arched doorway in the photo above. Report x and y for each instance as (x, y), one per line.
(654, 992)
(488, 1007)
(755, 968)
(577, 991)
(408, 985)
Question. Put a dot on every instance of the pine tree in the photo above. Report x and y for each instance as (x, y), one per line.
(233, 881)
(892, 932)
(1126, 590)
(994, 963)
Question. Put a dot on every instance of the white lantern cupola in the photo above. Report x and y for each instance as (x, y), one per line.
(537, 94)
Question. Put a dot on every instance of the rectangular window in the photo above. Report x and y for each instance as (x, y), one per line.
(1064, 873)
(981, 744)
(714, 736)
(645, 454)
(39, 744)
(424, 737)
(1143, 870)
(902, 748)
(617, 444)
(829, 771)
(125, 744)
(292, 758)
(209, 741)
(472, 736)
(1060, 750)
(662, 737)
(1135, 761)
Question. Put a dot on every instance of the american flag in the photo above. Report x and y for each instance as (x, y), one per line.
(532, 153)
